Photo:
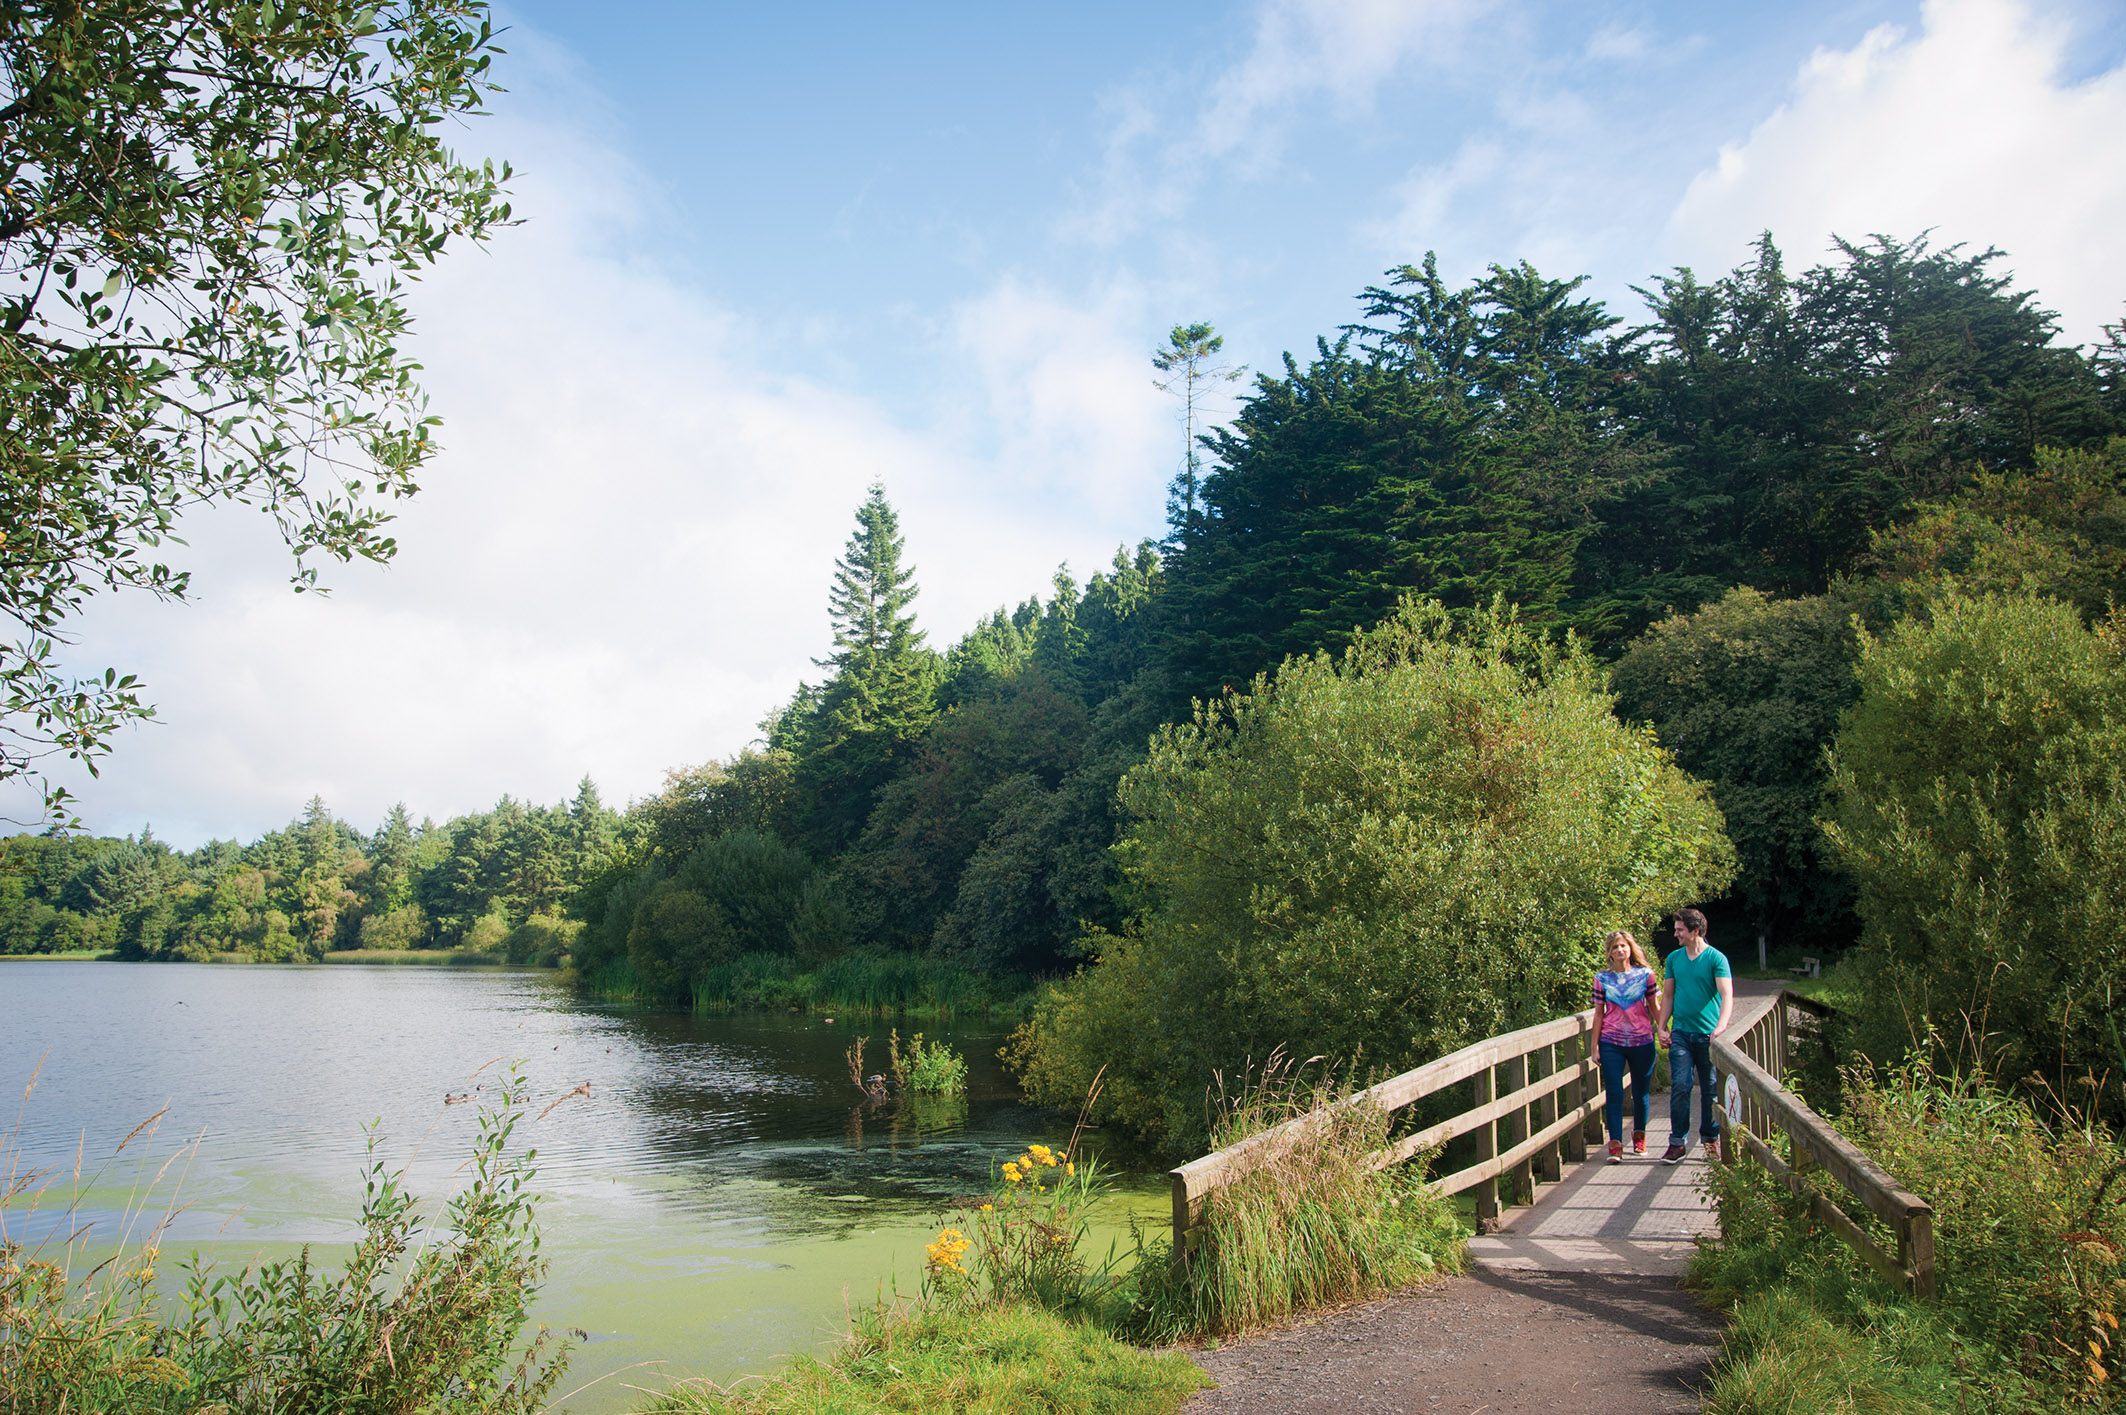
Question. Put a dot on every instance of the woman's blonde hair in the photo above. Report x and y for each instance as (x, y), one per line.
(1638, 954)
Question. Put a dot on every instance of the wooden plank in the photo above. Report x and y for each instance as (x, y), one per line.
(1477, 1115)
(1205, 1174)
(1399, 1091)
(1496, 1165)
(1862, 1177)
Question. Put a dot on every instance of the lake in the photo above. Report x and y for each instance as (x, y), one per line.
(714, 1203)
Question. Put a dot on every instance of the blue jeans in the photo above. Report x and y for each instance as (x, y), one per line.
(1690, 1059)
(1615, 1059)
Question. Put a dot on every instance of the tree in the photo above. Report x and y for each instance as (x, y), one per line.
(1187, 363)
(883, 690)
(1804, 413)
(2058, 529)
(1747, 693)
(1389, 854)
(1980, 806)
(208, 212)
(1456, 446)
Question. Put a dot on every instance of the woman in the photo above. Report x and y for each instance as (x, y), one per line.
(1623, 1005)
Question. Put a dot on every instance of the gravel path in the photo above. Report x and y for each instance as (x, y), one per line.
(1488, 1343)
(1576, 1305)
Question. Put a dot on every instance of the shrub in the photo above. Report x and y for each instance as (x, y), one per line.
(417, 1320)
(403, 927)
(927, 1068)
(1395, 853)
(1981, 809)
(2028, 1228)
(542, 939)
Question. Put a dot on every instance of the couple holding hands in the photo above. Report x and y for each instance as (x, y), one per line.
(1685, 1010)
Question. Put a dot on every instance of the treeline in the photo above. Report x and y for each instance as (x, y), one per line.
(1707, 499)
(493, 881)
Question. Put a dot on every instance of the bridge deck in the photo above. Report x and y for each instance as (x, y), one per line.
(1641, 1216)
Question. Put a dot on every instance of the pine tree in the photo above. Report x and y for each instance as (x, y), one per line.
(884, 690)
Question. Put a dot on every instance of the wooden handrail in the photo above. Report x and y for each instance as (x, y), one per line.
(1194, 1182)
(1769, 1107)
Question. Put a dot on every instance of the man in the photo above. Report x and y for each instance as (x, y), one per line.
(1697, 1002)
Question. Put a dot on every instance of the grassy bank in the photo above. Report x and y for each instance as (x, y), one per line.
(928, 1356)
(2030, 1230)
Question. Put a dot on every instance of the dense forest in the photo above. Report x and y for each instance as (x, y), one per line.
(1718, 503)
(496, 881)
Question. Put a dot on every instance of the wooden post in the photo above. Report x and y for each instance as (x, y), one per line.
(1573, 1053)
(1181, 1217)
(1592, 1132)
(1915, 1252)
(1514, 1128)
(1486, 1145)
(1549, 1161)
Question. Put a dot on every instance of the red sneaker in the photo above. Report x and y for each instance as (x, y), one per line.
(1616, 1152)
(1675, 1154)
(1713, 1153)
(1638, 1142)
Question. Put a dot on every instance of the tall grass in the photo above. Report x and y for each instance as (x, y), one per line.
(423, 1317)
(2030, 1232)
(1303, 1224)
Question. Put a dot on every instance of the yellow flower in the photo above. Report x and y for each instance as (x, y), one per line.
(1070, 1169)
(989, 1208)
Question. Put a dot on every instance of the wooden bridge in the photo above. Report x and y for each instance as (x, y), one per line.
(1555, 1218)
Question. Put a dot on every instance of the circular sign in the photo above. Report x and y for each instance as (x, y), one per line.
(1733, 1101)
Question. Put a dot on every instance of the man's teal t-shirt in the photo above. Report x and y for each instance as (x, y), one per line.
(1697, 994)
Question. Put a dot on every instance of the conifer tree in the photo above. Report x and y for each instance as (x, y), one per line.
(884, 689)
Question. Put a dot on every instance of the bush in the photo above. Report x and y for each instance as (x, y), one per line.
(926, 1068)
(2029, 1223)
(394, 929)
(543, 939)
(1397, 853)
(417, 1320)
(1981, 809)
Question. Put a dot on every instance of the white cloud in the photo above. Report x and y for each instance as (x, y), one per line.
(1967, 127)
(1338, 50)
(1303, 55)
(619, 561)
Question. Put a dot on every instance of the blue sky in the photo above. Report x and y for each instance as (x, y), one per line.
(771, 253)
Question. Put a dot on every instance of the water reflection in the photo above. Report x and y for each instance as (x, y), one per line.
(713, 1186)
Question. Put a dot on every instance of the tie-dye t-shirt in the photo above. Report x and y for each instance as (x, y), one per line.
(1629, 1022)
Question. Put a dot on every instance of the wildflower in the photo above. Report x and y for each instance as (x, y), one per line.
(943, 1252)
(1070, 1168)
(989, 1208)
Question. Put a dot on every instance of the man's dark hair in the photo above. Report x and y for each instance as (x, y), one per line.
(1690, 919)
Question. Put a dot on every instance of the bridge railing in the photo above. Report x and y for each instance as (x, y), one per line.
(1754, 1056)
(1532, 1093)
